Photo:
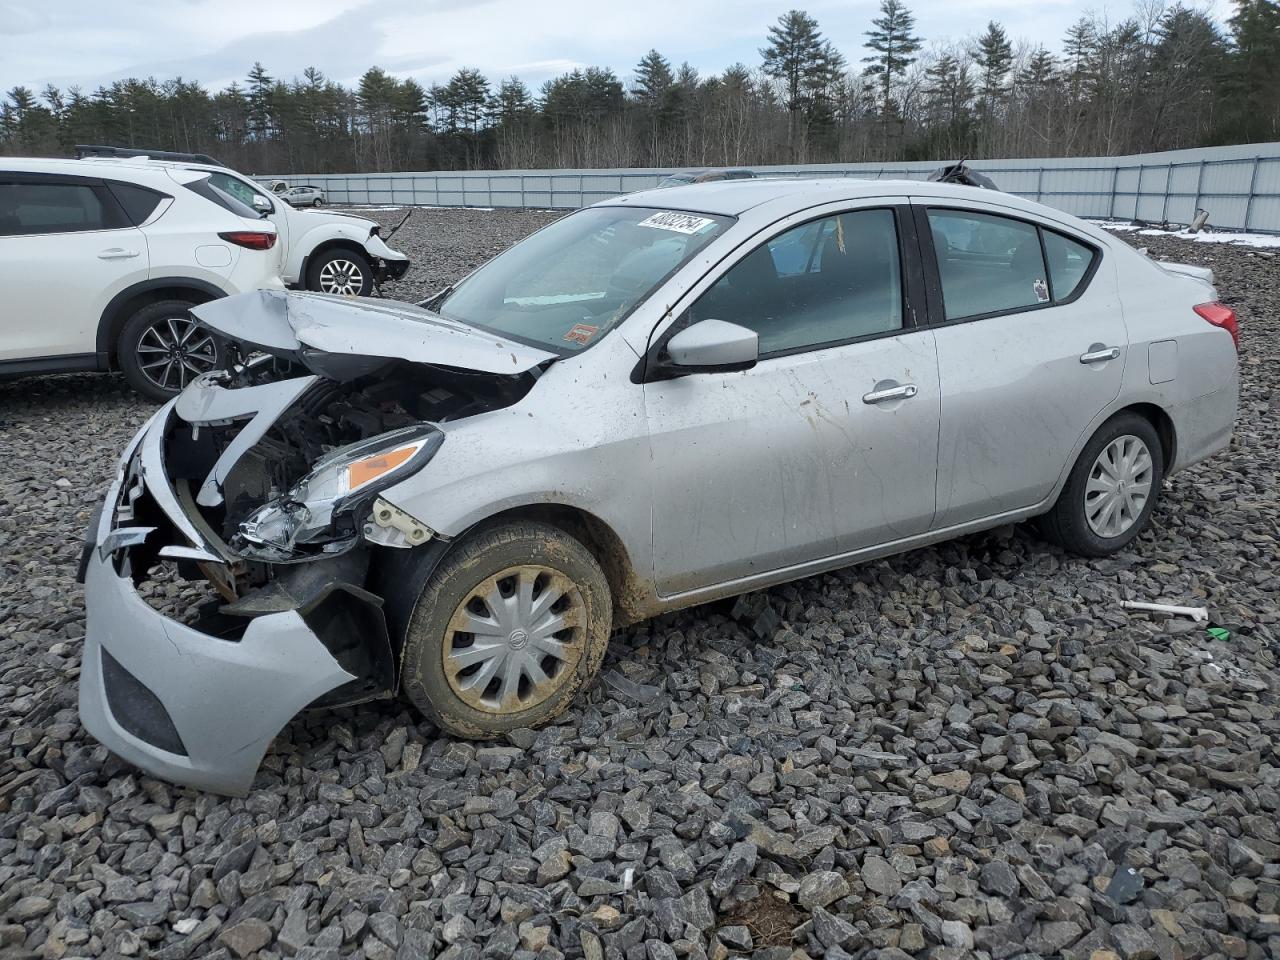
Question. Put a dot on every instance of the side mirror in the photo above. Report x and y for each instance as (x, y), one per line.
(262, 204)
(711, 346)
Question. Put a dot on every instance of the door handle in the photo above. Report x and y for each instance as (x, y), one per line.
(117, 253)
(904, 392)
(1095, 355)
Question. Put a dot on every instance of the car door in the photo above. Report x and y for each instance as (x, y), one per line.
(799, 458)
(1029, 353)
(66, 248)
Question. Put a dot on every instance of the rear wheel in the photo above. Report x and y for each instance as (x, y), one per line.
(1112, 489)
(315, 202)
(511, 625)
(162, 349)
(344, 272)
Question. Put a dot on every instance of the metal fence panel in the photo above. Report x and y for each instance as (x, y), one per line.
(1239, 185)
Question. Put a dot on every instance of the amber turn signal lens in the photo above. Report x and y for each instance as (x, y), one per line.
(371, 468)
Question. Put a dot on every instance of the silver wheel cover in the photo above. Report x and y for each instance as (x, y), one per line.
(1118, 487)
(515, 640)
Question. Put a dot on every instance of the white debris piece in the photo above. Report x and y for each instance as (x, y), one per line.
(1198, 614)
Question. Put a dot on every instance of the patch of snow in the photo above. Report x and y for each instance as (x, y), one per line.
(1260, 241)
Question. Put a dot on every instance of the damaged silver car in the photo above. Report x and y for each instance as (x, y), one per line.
(663, 399)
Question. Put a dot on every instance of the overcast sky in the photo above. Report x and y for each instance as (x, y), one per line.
(90, 42)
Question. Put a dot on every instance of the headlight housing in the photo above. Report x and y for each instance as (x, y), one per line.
(338, 483)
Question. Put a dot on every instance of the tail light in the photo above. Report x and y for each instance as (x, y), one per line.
(1220, 315)
(260, 239)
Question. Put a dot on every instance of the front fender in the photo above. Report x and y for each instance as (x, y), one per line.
(307, 238)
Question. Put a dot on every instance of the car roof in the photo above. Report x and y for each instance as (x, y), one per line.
(83, 165)
(785, 194)
(142, 171)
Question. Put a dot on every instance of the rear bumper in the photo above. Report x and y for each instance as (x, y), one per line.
(189, 706)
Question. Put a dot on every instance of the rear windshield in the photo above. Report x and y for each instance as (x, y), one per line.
(571, 282)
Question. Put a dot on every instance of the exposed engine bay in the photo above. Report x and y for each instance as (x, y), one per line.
(273, 481)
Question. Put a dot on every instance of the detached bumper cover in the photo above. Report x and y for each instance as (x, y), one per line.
(189, 707)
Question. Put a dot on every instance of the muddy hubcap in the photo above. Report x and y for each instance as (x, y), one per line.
(341, 277)
(515, 640)
(173, 352)
(1119, 486)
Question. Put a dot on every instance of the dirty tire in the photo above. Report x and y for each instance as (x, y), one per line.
(146, 332)
(1067, 524)
(343, 271)
(488, 551)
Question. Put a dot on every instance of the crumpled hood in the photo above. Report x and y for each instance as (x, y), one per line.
(316, 330)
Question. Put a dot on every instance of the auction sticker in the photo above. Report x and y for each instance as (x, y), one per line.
(581, 333)
(676, 222)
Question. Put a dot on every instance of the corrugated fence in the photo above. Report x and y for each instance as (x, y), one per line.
(1238, 185)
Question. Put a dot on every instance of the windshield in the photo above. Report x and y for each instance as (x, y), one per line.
(567, 285)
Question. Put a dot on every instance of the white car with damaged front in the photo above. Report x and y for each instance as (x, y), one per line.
(663, 399)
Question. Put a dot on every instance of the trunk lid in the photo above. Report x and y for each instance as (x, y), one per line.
(342, 338)
(1187, 270)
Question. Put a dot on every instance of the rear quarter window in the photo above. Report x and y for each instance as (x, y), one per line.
(1069, 263)
(138, 202)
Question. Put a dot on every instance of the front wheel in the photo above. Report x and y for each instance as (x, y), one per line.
(162, 349)
(511, 625)
(1112, 489)
(344, 272)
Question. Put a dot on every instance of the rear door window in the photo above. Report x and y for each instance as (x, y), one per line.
(987, 264)
(35, 208)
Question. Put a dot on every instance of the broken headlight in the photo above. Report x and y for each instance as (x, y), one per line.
(338, 483)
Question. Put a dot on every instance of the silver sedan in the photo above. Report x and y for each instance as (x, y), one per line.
(304, 196)
(664, 399)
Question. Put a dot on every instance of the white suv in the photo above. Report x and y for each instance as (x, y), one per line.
(326, 252)
(101, 257)
(99, 265)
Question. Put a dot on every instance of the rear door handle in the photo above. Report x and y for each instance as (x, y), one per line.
(117, 253)
(1099, 355)
(904, 392)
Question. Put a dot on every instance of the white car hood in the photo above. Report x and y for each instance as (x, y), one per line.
(314, 329)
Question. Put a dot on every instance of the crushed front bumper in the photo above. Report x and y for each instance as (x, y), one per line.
(180, 703)
(390, 264)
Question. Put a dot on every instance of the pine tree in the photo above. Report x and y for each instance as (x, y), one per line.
(259, 99)
(1080, 51)
(653, 80)
(893, 47)
(806, 65)
(1039, 71)
(1255, 68)
(994, 58)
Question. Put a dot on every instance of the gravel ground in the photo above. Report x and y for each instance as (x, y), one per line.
(965, 750)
